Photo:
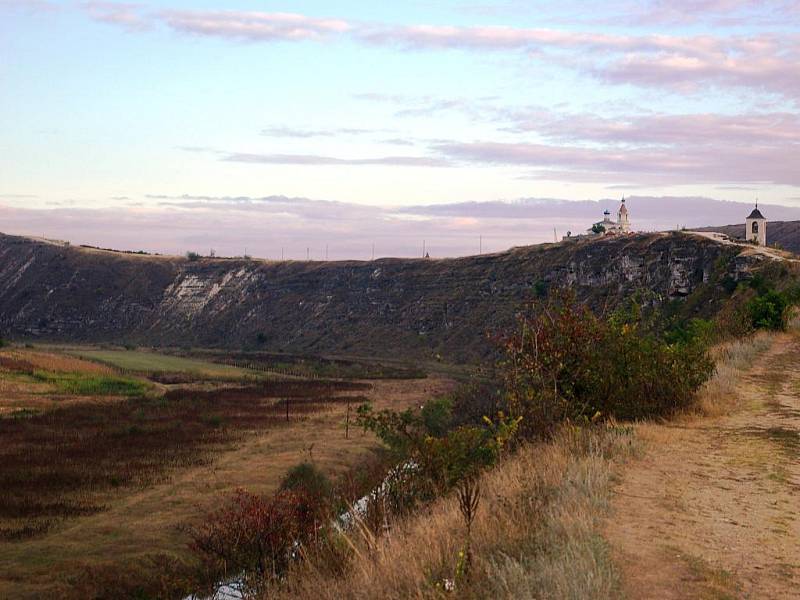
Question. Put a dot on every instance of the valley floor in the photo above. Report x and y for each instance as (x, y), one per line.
(710, 509)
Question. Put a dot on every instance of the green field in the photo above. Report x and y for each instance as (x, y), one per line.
(151, 362)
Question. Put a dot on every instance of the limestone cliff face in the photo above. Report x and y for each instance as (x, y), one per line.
(389, 307)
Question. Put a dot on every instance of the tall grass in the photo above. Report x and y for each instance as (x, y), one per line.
(536, 533)
(720, 394)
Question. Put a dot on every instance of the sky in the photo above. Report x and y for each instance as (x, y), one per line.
(267, 127)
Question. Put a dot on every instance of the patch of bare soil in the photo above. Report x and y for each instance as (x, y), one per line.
(711, 509)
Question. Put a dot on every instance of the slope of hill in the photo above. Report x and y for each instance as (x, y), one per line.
(786, 234)
(390, 307)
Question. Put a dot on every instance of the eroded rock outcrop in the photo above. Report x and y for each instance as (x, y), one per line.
(389, 307)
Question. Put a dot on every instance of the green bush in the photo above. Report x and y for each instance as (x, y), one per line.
(307, 478)
(566, 364)
(769, 310)
(437, 416)
(440, 461)
(3, 343)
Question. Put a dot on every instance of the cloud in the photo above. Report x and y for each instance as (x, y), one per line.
(30, 6)
(767, 62)
(122, 14)
(266, 226)
(310, 159)
(721, 13)
(651, 165)
(661, 129)
(252, 26)
(289, 132)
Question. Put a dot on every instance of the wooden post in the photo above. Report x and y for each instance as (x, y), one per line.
(347, 423)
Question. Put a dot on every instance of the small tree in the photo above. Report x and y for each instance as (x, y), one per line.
(192, 256)
(598, 228)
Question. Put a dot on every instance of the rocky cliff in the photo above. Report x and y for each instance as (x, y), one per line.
(389, 307)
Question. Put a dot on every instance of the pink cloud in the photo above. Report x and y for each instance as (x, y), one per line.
(681, 129)
(768, 62)
(252, 26)
(125, 15)
(264, 226)
(650, 165)
(310, 159)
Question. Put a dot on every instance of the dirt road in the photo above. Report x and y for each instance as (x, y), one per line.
(711, 509)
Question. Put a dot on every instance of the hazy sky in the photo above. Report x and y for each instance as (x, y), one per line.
(107, 105)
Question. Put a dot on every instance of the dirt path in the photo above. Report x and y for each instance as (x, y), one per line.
(711, 510)
(723, 239)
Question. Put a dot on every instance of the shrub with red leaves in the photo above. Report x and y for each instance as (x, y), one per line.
(256, 535)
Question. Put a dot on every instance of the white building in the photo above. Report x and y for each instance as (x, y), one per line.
(609, 227)
(756, 227)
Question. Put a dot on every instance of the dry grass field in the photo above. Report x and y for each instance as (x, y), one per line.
(106, 480)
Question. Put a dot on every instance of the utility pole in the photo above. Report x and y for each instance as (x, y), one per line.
(423, 248)
(555, 236)
(480, 245)
(308, 254)
(373, 250)
(281, 253)
(326, 252)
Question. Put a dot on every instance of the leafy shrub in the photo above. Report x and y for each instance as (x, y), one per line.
(769, 310)
(309, 480)
(565, 363)
(192, 256)
(695, 330)
(255, 535)
(3, 343)
(439, 461)
(437, 416)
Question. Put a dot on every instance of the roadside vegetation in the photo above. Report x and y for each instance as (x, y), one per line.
(513, 472)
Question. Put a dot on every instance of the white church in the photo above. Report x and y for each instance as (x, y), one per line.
(609, 227)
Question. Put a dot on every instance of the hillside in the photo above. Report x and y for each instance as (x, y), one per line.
(786, 234)
(390, 307)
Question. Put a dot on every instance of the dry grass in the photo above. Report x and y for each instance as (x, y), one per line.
(139, 523)
(720, 395)
(50, 361)
(536, 533)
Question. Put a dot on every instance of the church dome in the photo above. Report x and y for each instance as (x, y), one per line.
(623, 209)
(756, 214)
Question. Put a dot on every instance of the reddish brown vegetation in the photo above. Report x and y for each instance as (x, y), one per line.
(256, 534)
(63, 463)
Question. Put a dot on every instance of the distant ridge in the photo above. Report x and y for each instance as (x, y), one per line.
(401, 308)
